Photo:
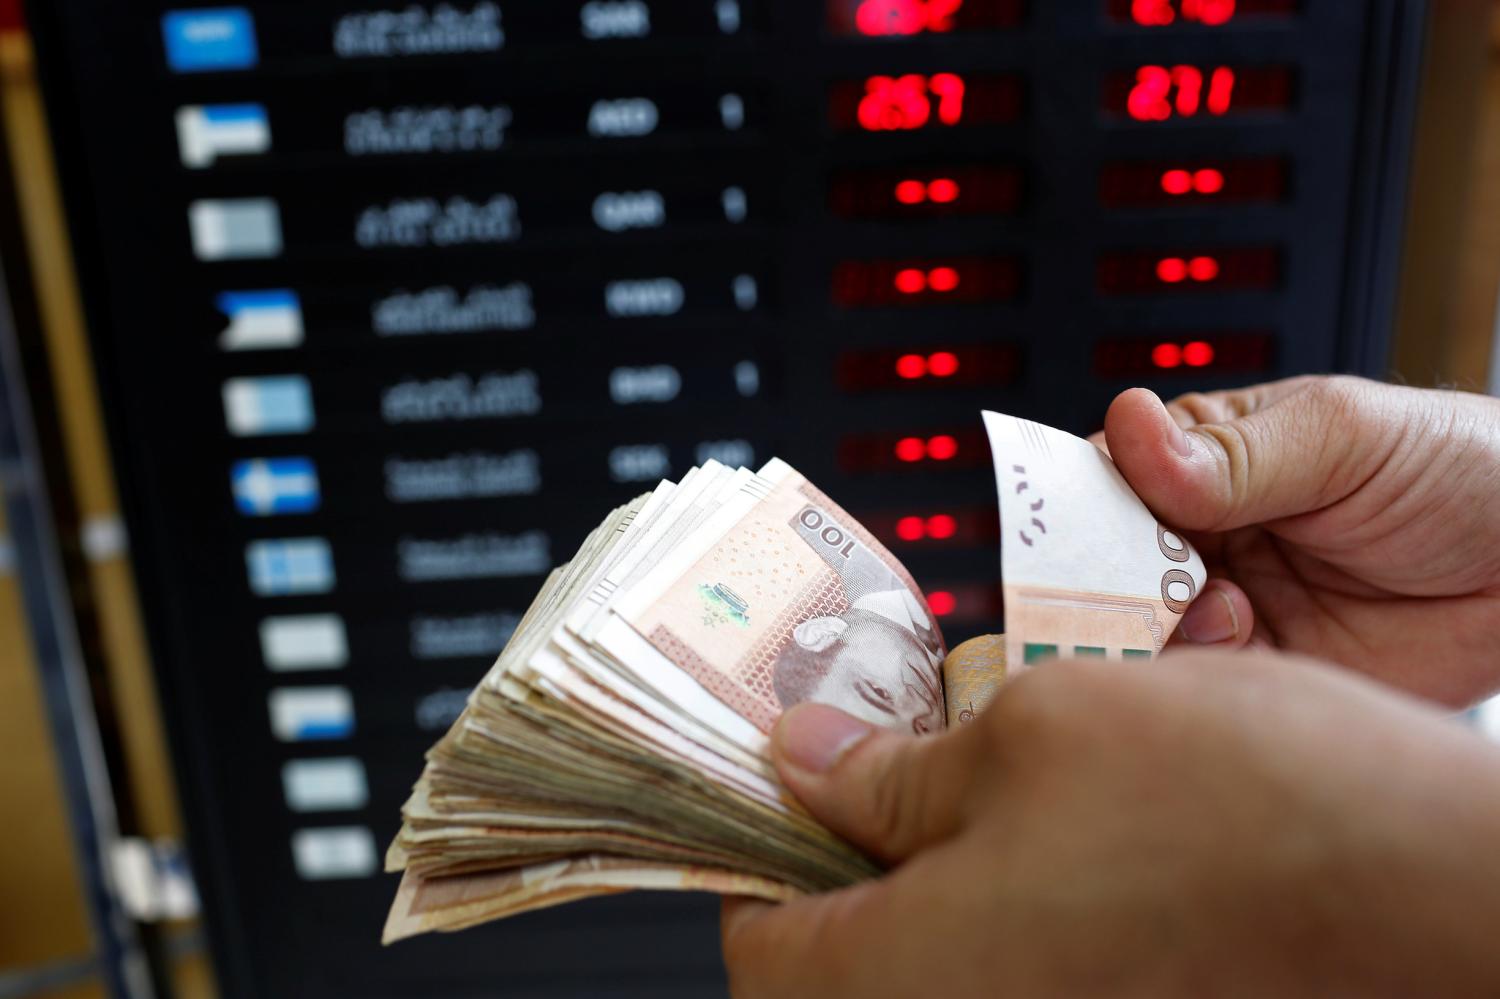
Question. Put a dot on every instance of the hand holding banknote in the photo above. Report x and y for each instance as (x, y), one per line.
(622, 738)
(1213, 824)
(1339, 518)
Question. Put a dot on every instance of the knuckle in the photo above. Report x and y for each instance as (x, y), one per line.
(894, 801)
(1200, 407)
(1336, 393)
(1237, 452)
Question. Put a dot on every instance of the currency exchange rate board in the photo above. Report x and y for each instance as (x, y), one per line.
(391, 302)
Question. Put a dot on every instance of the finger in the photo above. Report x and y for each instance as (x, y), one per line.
(1301, 452)
(857, 941)
(736, 911)
(1221, 616)
(1097, 439)
(887, 793)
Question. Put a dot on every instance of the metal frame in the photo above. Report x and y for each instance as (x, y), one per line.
(121, 956)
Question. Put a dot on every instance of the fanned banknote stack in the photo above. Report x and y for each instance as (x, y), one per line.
(621, 740)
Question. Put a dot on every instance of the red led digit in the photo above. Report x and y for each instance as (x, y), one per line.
(1177, 182)
(894, 103)
(1152, 13)
(910, 449)
(1189, 83)
(1210, 12)
(911, 192)
(1162, 182)
(942, 279)
(1203, 268)
(1157, 93)
(1143, 271)
(911, 529)
(1198, 354)
(1185, 356)
(911, 366)
(1166, 355)
(942, 602)
(903, 103)
(905, 17)
(890, 17)
(942, 447)
(875, 283)
(1202, 13)
(1148, 98)
(943, 364)
(1221, 91)
(941, 527)
(1208, 181)
(943, 190)
(949, 88)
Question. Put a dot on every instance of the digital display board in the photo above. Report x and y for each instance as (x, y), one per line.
(391, 302)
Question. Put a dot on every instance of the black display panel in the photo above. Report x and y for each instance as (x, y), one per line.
(391, 303)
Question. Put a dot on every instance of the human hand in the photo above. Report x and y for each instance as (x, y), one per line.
(1342, 518)
(1212, 824)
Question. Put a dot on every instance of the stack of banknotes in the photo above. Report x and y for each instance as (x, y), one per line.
(621, 740)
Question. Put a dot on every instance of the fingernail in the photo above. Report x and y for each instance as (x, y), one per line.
(813, 737)
(1210, 620)
(1175, 434)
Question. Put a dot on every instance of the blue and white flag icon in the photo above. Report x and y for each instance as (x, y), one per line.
(209, 38)
(274, 404)
(304, 714)
(266, 487)
(207, 131)
(283, 567)
(260, 320)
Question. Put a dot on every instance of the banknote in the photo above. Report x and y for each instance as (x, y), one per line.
(622, 738)
(454, 903)
(782, 597)
(1086, 568)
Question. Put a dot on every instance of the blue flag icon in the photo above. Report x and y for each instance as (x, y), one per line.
(210, 38)
(265, 487)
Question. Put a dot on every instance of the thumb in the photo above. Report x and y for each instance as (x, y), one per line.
(1231, 459)
(887, 793)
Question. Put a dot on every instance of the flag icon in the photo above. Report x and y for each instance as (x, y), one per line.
(333, 852)
(235, 228)
(207, 131)
(265, 487)
(288, 566)
(210, 38)
(311, 714)
(260, 319)
(275, 404)
(324, 785)
(303, 641)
